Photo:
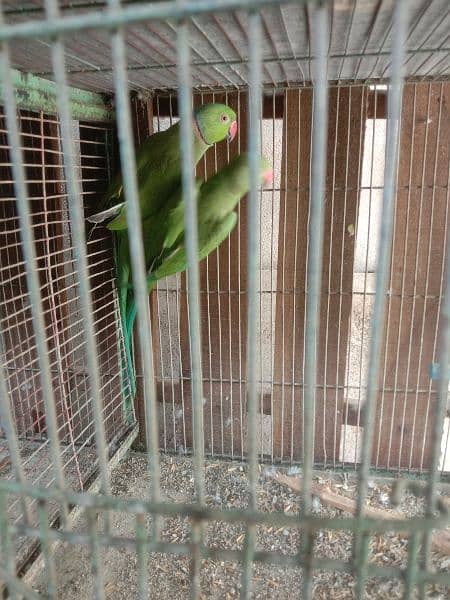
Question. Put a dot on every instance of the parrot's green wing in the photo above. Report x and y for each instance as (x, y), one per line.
(174, 224)
(154, 154)
(210, 236)
(158, 175)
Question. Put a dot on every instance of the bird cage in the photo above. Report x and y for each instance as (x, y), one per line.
(296, 371)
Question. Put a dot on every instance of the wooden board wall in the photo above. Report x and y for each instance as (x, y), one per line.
(347, 111)
(405, 413)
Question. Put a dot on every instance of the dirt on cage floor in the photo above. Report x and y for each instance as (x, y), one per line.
(226, 487)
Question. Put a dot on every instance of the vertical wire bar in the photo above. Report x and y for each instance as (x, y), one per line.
(77, 224)
(438, 425)
(96, 559)
(46, 549)
(193, 275)
(308, 235)
(241, 411)
(341, 281)
(384, 252)
(315, 252)
(283, 295)
(6, 548)
(253, 249)
(240, 336)
(219, 321)
(260, 316)
(210, 350)
(142, 556)
(159, 323)
(294, 277)
(272, 291)
(128, 162)
(230, 337)
(169, 297)
(32, 277)
(9, 429)
(328, 292)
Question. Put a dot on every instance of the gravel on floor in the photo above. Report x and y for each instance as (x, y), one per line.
(226, 487)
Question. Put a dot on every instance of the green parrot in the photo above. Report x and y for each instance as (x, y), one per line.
(165, 252)
(158, 163)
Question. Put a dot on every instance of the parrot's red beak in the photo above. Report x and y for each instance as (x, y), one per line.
(268, 177)
(232, 132)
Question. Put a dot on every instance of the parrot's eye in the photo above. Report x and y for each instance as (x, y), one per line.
(224, 118)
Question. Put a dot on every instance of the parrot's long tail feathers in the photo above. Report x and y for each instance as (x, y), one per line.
(130, 317)
(132, 309)
(106, 215)
(127, 364)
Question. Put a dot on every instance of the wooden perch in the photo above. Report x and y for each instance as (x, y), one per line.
(440, 539)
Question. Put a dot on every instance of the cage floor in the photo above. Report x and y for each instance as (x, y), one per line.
(226, 486)
(37, 466)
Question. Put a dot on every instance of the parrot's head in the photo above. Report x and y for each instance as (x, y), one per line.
(215, 122)
(239, 173)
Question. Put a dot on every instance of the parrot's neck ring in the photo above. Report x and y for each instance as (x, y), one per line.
(199, 133)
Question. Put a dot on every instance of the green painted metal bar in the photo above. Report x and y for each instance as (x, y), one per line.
(360, 549)
(196, 512)
(128, 163)
(46, 549)
(96, 557)
(128, 15)
(17, 589)
(253, 265)
(314, 272)
(411, 569)
(193, 272)
(193, 282)
(38, 94)
(142, 555)
(268, 60)
(6, 547)
(274, 558)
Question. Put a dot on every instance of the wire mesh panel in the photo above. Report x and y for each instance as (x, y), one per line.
(318, 333)
(41, 141)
